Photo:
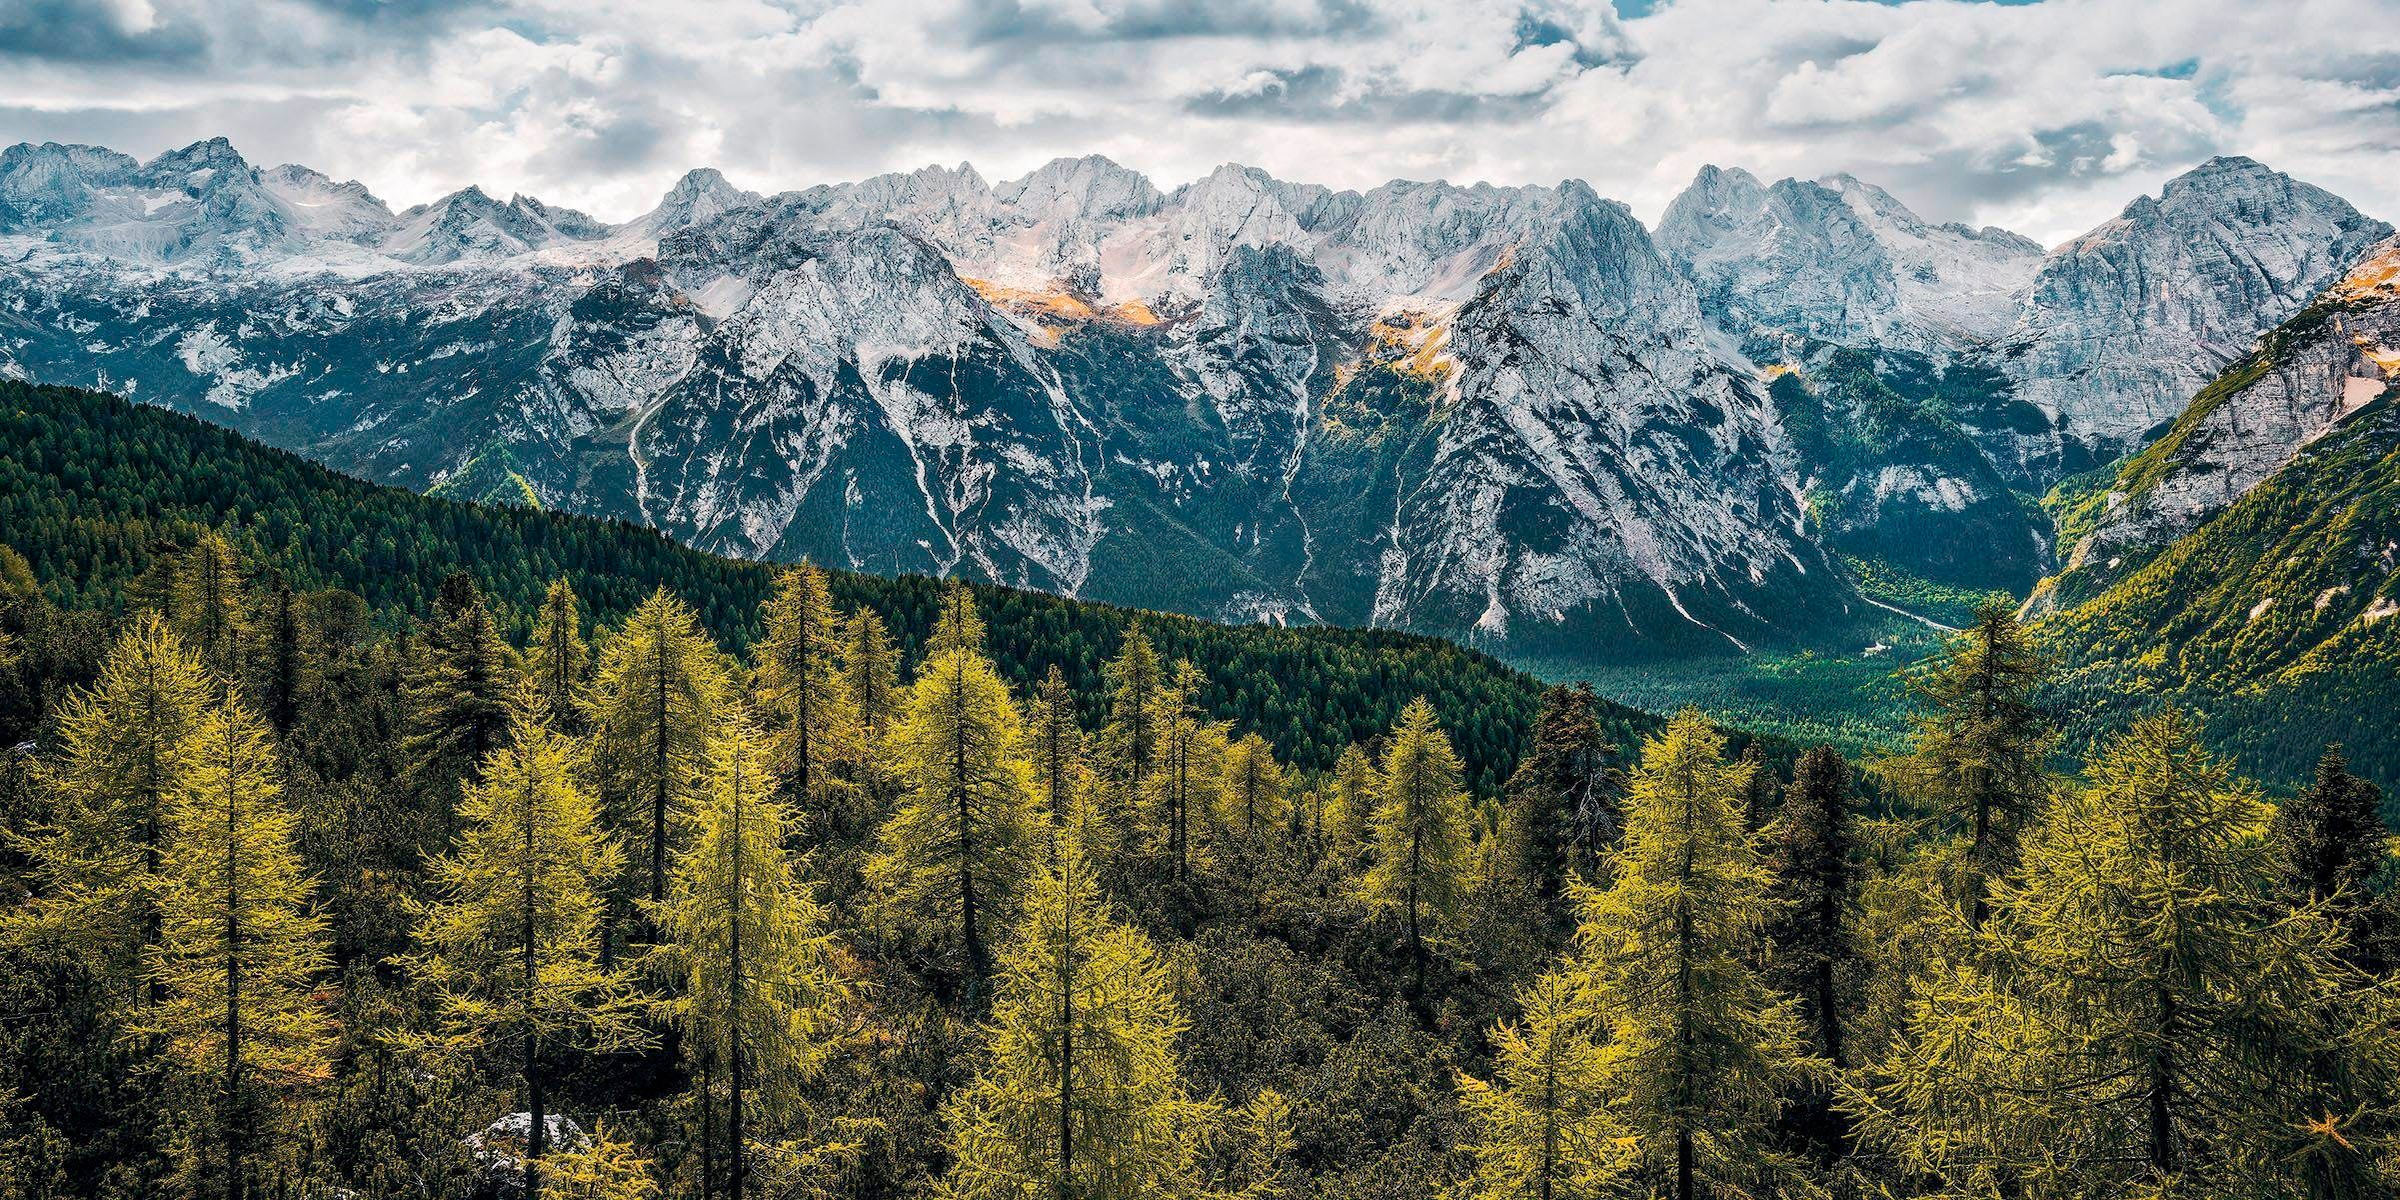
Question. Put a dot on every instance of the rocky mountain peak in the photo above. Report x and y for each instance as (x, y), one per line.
(2122, 325)
(1093, 187)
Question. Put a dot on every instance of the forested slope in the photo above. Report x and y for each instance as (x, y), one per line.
(92, 487)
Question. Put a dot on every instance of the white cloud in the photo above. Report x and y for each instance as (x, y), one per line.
(2045, 117)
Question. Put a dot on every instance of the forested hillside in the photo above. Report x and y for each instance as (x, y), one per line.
(347, 855)
(92, 488)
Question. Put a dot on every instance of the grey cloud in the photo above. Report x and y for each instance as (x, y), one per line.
(78, 31)
(1317, 93)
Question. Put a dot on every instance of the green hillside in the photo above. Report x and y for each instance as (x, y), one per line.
(2272, 618)
(91, 487)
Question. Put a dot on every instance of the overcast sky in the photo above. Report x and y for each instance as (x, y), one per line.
(2045, 118)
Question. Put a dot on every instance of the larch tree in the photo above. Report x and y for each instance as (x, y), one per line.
(1138, 686)
(1081, 1095)
(1560, 809)
(1055, 743)
(558, 660)
(457, 698)
(1423, 866)
(1541, 1128)
(870, 669)
(756, 994)
(953, 859)
(1187, 769)
(1979, 756)
(208, 603)
(652, 707)
(1255, 799)
(2149, 1018)
(98, 857)
(241, 952)
(957, 622)
(1701, 1049)
(1350, 804)
(510, 944)
(812, 722)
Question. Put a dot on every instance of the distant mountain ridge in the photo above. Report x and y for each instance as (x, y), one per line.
(1507, 414)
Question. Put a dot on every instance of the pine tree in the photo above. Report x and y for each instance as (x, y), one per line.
(1558, 804)
(1814, 898)
(1542, 1128)
(1081, 1094)
(1980, 756)
(800, 683)
(1700, 1049)
(1137, 697)
(281, 663)
(955, 855)
(208, 603)
(2152, 1019)
(457, 697)
(558, 660)
(1055, 742)
(240, 952)
(1254, 798)
(755, 988)
(870, 670)
(652, 707)
(511, 944)
(98, 859)
(1422, 867)
(2331, 837)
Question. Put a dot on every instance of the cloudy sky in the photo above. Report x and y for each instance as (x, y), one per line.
(2042, 117)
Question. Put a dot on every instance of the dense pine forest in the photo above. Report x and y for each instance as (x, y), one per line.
(362, 844)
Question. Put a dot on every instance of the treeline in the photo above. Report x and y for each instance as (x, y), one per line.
(94, 492)
(305, 901)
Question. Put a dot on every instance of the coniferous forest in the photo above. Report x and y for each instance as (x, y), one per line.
(361, 844)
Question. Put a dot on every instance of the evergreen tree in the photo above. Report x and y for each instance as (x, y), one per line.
(240, 953)
(1558, 803)
(281, 664)
(955, 855)
(1979, 756)
(208, 604)
(99, 856)
(800, 682)
(1812, 848)
(1542, 1128)
(1055, 742)
(1700, 1049)
(558, 660)
(2331, 838)
(1081, 1094)
(457, 697)
(511, 944)
(1254, 797)
(755, 988)
(1422, 869)
(652, 707)
(2152, 1020)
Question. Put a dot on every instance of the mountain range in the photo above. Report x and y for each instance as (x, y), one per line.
(1511, 415)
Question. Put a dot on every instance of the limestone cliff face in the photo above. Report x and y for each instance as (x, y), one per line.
(2125, 323)
(1506, 414)
(2305, 380)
